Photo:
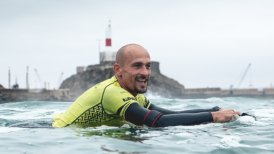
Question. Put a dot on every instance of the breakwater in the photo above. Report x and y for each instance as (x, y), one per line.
(159, 84)
(218, 92)
(16, 95)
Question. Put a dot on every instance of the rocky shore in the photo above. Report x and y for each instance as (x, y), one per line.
(76, 84)
(159, 84)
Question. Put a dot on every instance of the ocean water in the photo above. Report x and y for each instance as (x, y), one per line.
(25, 127)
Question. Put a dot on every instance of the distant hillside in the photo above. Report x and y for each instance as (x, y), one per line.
(159, 84)
(1, 87)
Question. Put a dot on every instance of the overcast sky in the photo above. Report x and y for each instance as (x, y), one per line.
(200, 43)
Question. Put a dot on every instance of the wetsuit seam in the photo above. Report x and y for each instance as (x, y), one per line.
(146, 116)
(100, 103)
(125, 105)
(103, 94)
(156, 119)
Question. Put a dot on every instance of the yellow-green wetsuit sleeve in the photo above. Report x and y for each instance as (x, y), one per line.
(143, 101)
(118, 99)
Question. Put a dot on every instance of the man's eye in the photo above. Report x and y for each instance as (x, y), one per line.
(137, 65)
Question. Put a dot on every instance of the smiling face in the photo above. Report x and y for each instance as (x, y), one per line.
(132, 68)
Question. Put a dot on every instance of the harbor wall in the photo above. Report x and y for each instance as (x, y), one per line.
(218, 92)
(14, 95)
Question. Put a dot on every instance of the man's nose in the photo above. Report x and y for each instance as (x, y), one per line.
(145, 71)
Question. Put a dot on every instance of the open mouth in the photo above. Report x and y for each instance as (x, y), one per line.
(142, 81)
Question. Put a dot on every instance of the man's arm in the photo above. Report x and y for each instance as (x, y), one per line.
(139, 115)
(165, 111)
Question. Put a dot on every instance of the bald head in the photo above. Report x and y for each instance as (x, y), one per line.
(129, 50)
(132, 68)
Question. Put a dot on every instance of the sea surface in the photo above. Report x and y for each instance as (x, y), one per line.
(25, 127)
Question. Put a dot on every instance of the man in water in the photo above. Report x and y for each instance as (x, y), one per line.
(120, 99)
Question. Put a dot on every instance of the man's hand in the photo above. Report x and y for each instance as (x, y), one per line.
(224, 115)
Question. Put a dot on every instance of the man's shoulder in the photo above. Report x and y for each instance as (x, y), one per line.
(141, 96)
(107, 82)
(143, 100)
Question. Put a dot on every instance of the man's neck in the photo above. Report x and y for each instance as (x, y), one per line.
(124, 87)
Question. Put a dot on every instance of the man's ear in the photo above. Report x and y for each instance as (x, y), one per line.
(117, 69)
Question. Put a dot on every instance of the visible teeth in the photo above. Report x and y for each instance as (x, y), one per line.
(141, 80)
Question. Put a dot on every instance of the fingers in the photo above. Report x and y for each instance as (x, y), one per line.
(225, 115)
(238, 113)
(232, 111)
(234, 117)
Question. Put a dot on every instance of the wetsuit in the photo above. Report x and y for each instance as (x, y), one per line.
(102, 104)
(107, 103)
(159, 117)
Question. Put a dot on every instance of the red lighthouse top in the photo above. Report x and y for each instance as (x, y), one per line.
(108, 35)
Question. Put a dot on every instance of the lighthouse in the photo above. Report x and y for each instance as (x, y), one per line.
(108, 35)
(107, 55)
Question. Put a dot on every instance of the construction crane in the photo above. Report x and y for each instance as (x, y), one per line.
(38, 77)
(244, 75)
(60, 80)
(27, 77)
(9, 77)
